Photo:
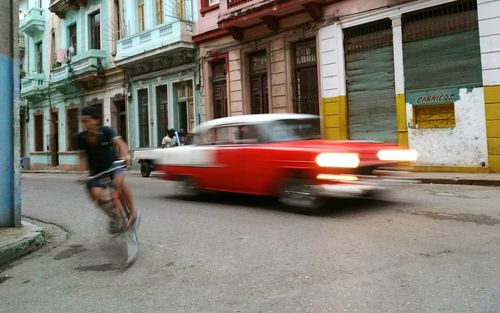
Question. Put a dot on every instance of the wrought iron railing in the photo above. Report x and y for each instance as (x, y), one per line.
(233, 3)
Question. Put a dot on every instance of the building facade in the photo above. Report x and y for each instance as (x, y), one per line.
(422, 74)
(68, 64)
(259, 56)
(158, 57)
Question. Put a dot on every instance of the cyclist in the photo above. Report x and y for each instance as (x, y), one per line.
(100, 146)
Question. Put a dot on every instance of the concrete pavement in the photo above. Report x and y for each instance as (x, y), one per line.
(16, 242)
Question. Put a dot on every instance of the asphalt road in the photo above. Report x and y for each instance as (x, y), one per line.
(427, 248)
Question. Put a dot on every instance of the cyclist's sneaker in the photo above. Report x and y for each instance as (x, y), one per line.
(117, 225)
(136, 219)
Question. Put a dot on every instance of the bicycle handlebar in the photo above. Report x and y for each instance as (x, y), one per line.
(116, 164)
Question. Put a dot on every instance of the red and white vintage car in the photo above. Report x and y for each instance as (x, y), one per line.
(280, 155)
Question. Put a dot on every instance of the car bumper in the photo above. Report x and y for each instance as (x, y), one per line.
(363, 187)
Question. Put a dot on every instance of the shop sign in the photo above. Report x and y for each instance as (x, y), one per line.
(433, 97)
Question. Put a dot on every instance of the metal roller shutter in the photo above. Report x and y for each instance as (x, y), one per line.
(371, 102)
(441, 47)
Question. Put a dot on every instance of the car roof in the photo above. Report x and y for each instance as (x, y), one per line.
(250, 119)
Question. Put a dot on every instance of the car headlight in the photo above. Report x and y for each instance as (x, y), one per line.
(344, 160)
(397, 155)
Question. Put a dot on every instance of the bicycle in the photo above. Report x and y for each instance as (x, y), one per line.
(116, 208)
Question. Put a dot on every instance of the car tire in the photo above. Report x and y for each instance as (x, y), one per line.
(146, 169)
(188, 187)
(296, 194)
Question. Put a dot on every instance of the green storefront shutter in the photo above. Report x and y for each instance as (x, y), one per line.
(444, 61)
(371, 102)
(441, 47)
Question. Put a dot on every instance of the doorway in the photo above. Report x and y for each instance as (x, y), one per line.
(54, 138)
(119, 118)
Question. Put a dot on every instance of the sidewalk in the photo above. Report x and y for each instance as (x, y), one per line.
(479, 179)
(15, 242)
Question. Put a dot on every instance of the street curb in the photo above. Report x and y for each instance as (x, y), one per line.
(459, 181)
(22, 241)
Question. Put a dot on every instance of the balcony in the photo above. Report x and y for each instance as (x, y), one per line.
(85, 70)
(33, 86)
(34, 22)
(164, 45)
(237, 15)
(61, 7)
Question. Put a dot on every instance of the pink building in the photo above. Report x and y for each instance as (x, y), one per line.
(259, 56)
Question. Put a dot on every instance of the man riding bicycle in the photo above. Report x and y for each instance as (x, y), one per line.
(99, 148)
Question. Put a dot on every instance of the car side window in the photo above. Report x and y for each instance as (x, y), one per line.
(231, 135)
(248, 134)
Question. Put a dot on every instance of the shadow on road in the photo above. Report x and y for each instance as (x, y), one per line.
(336, 207)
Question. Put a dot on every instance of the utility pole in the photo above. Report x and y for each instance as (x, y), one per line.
(10, 203)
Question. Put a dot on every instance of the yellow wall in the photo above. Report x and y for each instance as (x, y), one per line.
(492, 103)
(401, 116)
(335, 124)
(335, 117)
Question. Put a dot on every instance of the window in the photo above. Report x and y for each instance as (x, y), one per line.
(180, 9)
(39, 57)
(306, 77)
(95, 30)
(208, 5)
(161, 112)
(53, 54)
(72, 40)
(38, 132)
(140, 14)
(296, 129)
(435, 116)
(258, 83)
(219, 88)
(159, 12)
(72, 131)
(185, 105)
(234, 134)
(118, 21)
(142, 98)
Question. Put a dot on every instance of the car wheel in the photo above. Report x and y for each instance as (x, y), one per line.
(188, 187)
(296, 193)
(146, 169)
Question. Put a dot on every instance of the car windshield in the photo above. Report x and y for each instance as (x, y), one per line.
(294, 129)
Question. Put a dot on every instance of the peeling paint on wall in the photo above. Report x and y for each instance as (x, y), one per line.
(463, 145)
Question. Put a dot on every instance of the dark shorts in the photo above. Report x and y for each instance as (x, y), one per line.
(97, 182)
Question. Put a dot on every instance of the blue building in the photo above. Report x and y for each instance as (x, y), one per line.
(158, 57)
(68, 63)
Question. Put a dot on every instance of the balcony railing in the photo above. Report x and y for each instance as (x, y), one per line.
(161, 37)
(83, 63)
(233, 3)
(34, 22)
(32, 85)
